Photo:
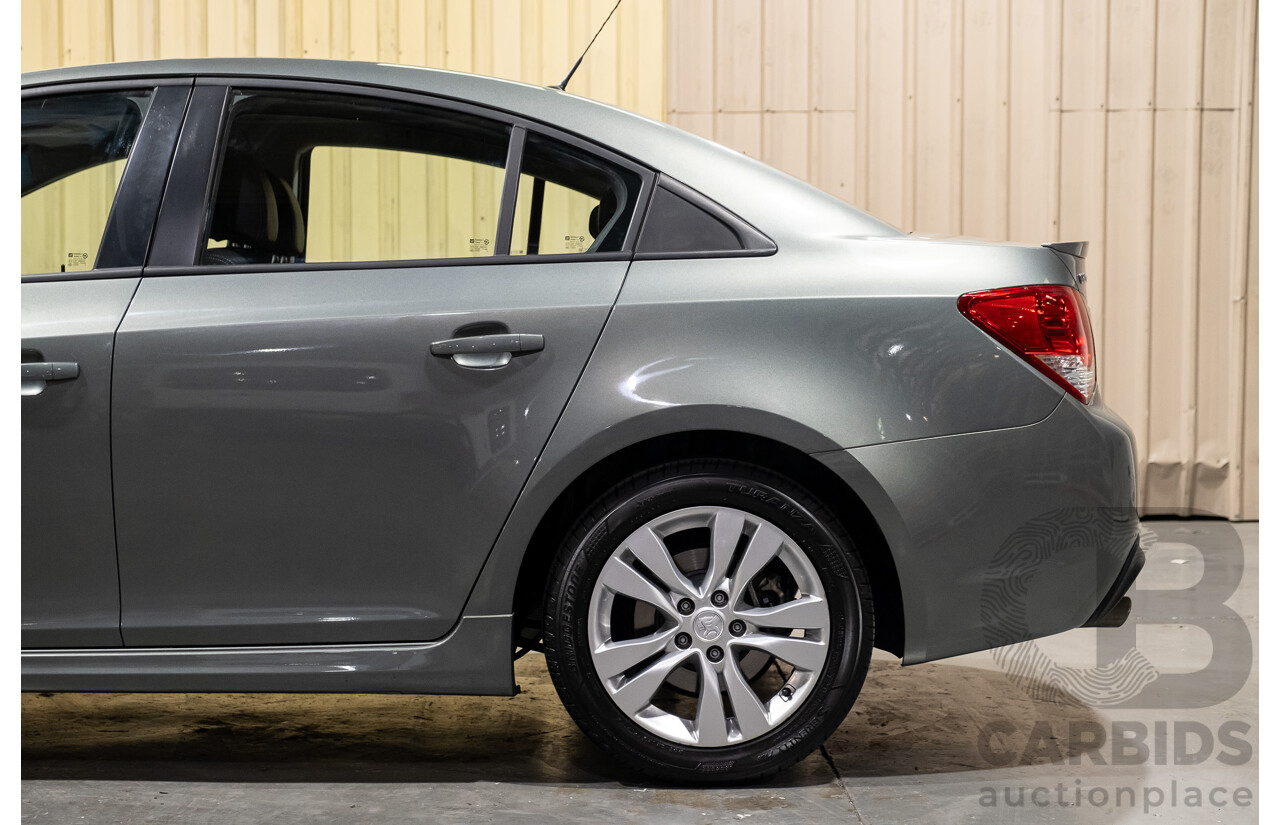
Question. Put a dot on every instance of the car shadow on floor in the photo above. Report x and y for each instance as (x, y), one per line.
(921, 720)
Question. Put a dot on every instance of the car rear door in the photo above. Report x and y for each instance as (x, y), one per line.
(327, 399)
(94, 158)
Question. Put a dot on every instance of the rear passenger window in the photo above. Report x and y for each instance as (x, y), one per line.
(74, 150)
(319, 177)
(570, 202)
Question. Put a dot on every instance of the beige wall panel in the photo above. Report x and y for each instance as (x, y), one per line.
(700, 123)
(1032, 124)
(1127, 321)
(628, 19)
(361, 24)
(292, 12)
(506, 31)
(222, 27)
(231, 28)
(1174, 287)
(650, 66)
(315, 29)
(600, 80)
(1131, 62)
(1246, 59)
(388, 31)
(268, 25)
(133, 30)
(937, 123)
(1084, 60)
(884, 116)
(411, 22)
(1180, 35)
(1224, 28)
(986, 119)
(862, 104)
(41, 35)
(86, 32)
(834, 166)
(910, 112)
(690, 24)
(738, 37)
(786, 55)
(740, 131)
(1249, 493)
(786, 142)
(1214, 383)
(834, 58)
(457, 31)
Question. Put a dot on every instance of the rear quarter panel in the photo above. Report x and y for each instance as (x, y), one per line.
(840, 343)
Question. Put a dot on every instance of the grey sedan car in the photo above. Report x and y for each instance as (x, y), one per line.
(343, 377)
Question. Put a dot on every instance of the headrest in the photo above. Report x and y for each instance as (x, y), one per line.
(602, 214)
(257, 209)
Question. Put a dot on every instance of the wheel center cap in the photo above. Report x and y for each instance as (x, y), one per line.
(709, 626)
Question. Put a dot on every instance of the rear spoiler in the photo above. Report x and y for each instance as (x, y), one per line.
(1072, 254)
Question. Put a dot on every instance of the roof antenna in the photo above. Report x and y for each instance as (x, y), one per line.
(565, 82)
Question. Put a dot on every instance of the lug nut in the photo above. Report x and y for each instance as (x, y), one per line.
(685, 606)
(715, 654)
(737, 627)
(683, 640)
(719, 598)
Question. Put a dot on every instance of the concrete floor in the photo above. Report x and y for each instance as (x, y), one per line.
(911, 751)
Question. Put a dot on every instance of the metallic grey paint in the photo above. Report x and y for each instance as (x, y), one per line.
(474, 658)
(287, 452)
(347, 484)
(70, 593)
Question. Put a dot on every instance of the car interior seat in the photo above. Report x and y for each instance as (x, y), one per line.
(257, 214)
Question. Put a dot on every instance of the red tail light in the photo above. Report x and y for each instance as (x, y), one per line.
(1048, 326)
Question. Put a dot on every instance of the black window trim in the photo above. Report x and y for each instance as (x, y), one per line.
(181, 226)
(131, 221)
(747, 234)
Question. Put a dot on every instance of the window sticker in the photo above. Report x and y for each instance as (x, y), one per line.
(77, 262)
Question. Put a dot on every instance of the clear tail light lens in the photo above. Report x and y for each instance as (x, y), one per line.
(1048, 326)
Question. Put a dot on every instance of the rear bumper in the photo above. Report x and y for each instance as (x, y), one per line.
(1115, 605)
(1005, 535)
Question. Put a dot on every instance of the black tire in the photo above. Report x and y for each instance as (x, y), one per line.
(698, 483)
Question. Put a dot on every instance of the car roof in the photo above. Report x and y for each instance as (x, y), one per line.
(777, 204)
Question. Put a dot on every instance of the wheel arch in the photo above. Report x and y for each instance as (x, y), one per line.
(530, 582)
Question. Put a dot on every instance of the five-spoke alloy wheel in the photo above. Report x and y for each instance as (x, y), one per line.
(708, 619)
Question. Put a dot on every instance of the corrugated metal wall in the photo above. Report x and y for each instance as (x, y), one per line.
(530, 40)
(1129, 123)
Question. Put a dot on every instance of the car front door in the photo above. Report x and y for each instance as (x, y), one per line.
(94, 159)
(328, 400)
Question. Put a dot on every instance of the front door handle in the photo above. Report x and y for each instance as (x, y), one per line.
(487, 352)
(37, 375)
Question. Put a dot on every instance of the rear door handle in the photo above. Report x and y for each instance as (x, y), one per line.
(487, 352)
(37, 375)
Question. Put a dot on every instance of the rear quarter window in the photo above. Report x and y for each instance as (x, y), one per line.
(681, 223)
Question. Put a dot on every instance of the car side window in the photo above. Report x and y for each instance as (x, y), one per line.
(74, 151)
(321, 177)
(570, 201)
(681, 222)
